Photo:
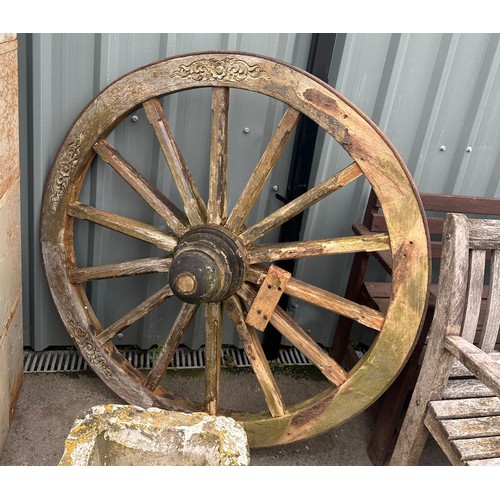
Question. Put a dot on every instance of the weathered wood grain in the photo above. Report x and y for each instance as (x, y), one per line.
(462, 428)
(213, 352)
(267, 298)
(465, 408)
(301, 340)
(193, 202)
(475, 360)
(130, 227)
(434, 427)
(490, 332)
(217, 200)
(326, 300)
(175, 218)
(459, 370)
(314, 248)
(135, 314)
(170, 346)
(305, 344)
(119, 269)
(253, 349)
(263, 169)
(484, 232)
(301, 203)
(437, 364)
(478, 448)
(466, 388)
(475, 294)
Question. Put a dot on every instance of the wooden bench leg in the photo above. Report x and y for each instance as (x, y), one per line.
(384, 434)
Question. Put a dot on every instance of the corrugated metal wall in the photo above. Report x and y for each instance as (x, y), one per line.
(424, 90)
(60, 75)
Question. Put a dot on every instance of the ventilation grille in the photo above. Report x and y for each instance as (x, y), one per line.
(54, 361)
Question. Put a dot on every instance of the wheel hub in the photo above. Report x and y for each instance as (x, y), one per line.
(208, 265)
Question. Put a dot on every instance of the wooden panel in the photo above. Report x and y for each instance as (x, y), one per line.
(466, 388)
(477, 448)
(9, 124)
(267, 298)
(492, 324)
(484, 234)
(462, 428)
(463, 408)
(460, 204)
(474, 294)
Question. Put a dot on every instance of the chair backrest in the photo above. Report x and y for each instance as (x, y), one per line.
(435, 206)
(466, 244)
(462, 302)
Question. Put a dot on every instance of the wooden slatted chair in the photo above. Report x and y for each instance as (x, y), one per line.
(456, 398)
(388, 411)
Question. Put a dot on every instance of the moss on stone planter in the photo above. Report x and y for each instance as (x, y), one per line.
(129, 435)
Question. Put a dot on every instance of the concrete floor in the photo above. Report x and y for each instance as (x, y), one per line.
(49, 404)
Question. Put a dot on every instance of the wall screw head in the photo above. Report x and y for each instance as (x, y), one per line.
(246, 130)
(442, 148)
(135, 118)
(276, 188)
(469, 149)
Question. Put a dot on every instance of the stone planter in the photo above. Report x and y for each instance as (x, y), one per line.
(129, 435)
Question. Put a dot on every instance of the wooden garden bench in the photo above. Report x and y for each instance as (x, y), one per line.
(462, 410)
(388, 411)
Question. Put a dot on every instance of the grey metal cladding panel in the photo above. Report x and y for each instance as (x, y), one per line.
(66, 72)
(424, 91)
(59, 91)
(476, 158)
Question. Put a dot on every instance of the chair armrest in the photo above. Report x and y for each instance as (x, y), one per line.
(483, 366)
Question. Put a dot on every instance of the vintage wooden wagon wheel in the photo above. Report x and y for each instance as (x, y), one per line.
(215, 261)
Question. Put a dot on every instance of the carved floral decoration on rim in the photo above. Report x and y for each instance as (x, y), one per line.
(227, 69)
(68, 161)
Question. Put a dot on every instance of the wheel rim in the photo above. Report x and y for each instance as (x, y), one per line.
(236, 271)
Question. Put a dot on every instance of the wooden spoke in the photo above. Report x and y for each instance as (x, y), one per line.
(120, 269)
(313, 248)
(175, 218)
(171, 343)
(327, 300)
(255, 354)
(491, 327)
(193, 203)
(302, 202)
(135, 314)
(213, 347)
(303, 342)
(263, 169)
(130, 227)
(217, 202)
